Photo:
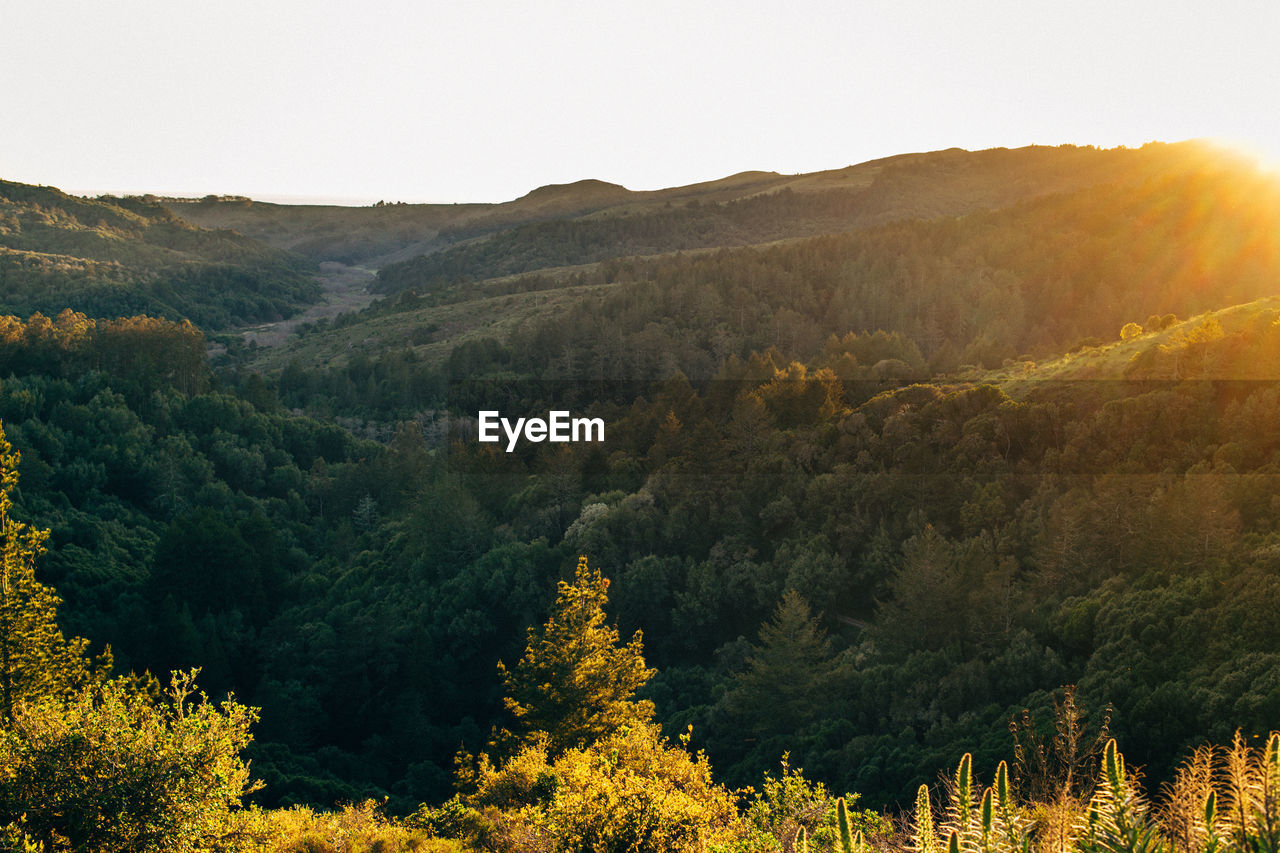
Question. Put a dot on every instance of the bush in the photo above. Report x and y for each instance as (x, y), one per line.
(629, 791)
(356, 828)
(113, 770)
(789, 807)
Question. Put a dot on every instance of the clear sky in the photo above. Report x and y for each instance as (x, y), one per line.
(474, 100)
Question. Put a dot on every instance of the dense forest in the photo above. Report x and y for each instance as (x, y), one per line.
(1001, 484)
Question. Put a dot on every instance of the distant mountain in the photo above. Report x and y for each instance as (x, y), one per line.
(365, 236)
(761, 207)
(113, 257)
(736, 210)
(1163, 230)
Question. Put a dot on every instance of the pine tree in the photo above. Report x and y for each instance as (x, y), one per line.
(36, 661)
(790, 675)
(576, 682)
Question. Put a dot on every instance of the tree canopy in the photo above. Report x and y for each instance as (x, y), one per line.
(36, 661)
(576, 682)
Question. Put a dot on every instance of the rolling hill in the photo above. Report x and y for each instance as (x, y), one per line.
(111, 257)
(1035, 277)
(1005, 420)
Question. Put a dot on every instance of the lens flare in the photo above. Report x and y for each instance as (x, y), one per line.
(1265, 153)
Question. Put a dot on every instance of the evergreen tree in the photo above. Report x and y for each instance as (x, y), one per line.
(36, 661)
(576, 682)
(789, 677)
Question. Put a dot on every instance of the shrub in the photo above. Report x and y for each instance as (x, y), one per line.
(355, 828)
(629, 791)
(113, 770)
(789, 807)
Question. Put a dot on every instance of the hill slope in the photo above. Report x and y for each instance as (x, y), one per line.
(114, 257)
(942, 183)
(1037, 277)
(759, 207)
(972, 539)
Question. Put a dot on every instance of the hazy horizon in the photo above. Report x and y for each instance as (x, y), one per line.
(483, 103)
(366, 201)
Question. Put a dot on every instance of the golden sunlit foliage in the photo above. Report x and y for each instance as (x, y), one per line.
(355, 828)
(36, 662)
(590, 772)
(1221, 800)
(630, 790)
(89, 763)
(575, 682)
(111, 769)
(148, 350)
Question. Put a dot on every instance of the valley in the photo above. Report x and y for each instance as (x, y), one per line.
(901, 465)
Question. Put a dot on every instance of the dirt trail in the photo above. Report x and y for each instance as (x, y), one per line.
(345, 288)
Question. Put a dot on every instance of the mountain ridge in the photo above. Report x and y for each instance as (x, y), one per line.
(374, 236)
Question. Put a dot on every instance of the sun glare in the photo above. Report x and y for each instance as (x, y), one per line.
(1265, 153)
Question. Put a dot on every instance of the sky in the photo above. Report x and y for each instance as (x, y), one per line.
(477, 100)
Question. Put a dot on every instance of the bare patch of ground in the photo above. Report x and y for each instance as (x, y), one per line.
(345, 288)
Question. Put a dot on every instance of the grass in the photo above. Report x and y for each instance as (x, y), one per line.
(449, 325)
(1115, 360)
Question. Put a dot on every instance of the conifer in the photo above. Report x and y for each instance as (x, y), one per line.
(576, 682)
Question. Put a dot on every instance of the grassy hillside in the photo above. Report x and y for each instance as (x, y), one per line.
(114, 257)
(758, 207)
(432, 333)
(364, 236)
(933, 184)
(1029, 280)
(1240, 343)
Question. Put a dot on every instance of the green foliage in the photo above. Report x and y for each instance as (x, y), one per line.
(789, 675)
(93, 764)
(143, 353)
(575, 683)
(111, 769)
(112, 257)
(629, 790)
(36, 662)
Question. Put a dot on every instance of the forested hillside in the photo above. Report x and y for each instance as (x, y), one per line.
(113, 257)
(930, 186)
(1027, 281)
(867, 502)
